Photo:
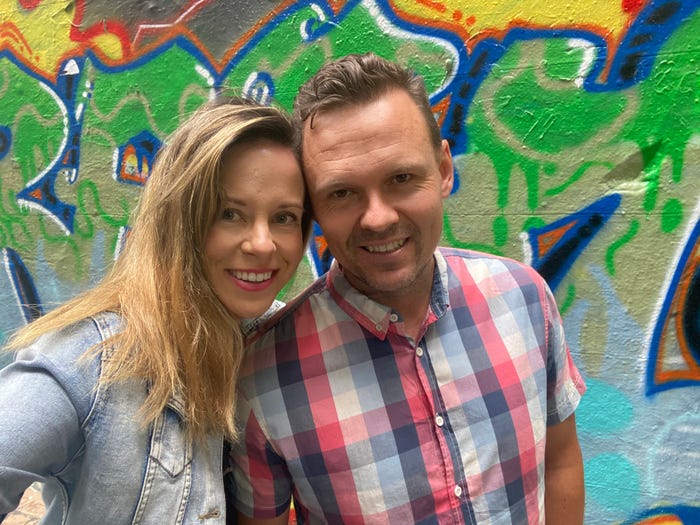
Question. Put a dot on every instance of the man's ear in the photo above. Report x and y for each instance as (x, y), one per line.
(447, 174)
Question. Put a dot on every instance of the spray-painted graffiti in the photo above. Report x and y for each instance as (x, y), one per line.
(575, 128)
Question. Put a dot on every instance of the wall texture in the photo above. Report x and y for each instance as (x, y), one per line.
(576, 132)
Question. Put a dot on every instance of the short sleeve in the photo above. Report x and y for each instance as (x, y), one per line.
(259, 485)
(565, 385)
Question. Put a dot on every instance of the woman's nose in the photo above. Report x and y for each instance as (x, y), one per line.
(259, 239)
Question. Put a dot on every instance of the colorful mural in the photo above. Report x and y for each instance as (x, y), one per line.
(575, 128)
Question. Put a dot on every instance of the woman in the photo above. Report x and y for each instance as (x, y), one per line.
(119, 400)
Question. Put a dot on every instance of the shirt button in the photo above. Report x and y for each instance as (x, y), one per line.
(378, 327)
(393, 318)
(419, 352)
(439, 421)
(458, 491)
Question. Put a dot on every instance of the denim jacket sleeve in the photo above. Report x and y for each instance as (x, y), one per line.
(44, 397)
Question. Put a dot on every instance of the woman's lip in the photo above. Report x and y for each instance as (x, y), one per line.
(253, 276)
(247, 279)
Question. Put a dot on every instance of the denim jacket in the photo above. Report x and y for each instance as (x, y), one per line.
(60, 426)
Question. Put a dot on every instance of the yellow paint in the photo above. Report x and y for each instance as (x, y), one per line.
(39, 37)
(42, 37)
(109, 45)
(476, 20)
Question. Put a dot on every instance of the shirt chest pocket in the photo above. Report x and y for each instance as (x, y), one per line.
(168, 476)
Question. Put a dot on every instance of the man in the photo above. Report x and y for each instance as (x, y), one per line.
(410, 384)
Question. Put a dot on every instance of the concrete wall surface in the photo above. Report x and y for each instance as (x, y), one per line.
(575, 128)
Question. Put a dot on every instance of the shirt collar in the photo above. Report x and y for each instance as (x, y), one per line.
(376, 317)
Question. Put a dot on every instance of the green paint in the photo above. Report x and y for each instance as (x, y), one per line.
(662, 113)
(66, 241)
(484, 139)
(11, 224)
(16, 218)
(561, 62)
(89, 187)
(652, 157)
(500, 230)
(448, 234)
(154, 96)
(671, 215)
(575, 177)
(533, 222)
(568, 300)
(541, 121)
(291, 62)
(669, 113)
(545, 119)
(612, 249)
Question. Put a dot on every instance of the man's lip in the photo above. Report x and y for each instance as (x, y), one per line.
(385, 247)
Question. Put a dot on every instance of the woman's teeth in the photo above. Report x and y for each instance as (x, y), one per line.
(252, 277)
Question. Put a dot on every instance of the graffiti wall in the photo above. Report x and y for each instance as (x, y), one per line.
(576, 132)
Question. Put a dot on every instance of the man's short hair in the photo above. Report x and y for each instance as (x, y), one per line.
(359, 79)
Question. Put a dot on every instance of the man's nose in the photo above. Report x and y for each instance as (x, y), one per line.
(379, 214)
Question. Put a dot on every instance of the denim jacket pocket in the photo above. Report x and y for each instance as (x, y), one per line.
(168, 477)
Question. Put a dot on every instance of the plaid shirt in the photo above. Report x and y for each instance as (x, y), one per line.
(360, 424)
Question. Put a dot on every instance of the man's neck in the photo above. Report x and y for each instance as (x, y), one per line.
(412, 305)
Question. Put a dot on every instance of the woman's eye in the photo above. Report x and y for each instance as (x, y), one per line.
(229, 214)
(287, 218)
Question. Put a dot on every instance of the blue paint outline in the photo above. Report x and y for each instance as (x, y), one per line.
(652, 387)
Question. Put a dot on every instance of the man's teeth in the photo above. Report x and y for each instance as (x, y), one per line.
(386, 247)
(252, 277)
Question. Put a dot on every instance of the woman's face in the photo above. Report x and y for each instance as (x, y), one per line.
(255, 243)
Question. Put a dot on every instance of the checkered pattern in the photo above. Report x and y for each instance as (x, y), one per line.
(360, 425)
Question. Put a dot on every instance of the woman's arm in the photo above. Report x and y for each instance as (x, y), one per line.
(39, 428)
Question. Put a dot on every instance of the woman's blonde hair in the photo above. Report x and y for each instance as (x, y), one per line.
(177, 335)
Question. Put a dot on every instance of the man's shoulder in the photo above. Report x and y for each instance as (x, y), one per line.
(474, 257)
(285, 318)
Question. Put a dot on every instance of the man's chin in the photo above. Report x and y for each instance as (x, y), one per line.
(384, 283)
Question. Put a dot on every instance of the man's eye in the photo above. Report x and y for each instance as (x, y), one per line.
(402, 177)
(340, 194)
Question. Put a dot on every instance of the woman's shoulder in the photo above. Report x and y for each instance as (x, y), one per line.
(72, 353)
(70, 342)
(66, 362)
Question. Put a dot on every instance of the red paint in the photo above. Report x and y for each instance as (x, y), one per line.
(632, 6)
(29, 5)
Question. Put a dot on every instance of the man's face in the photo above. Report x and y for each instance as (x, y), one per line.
(377, 184)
